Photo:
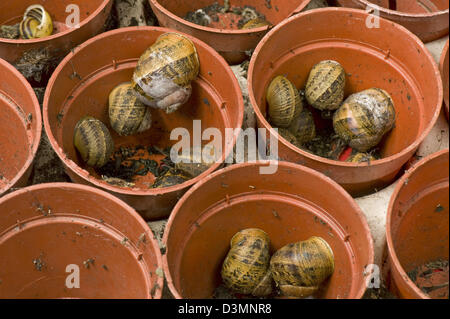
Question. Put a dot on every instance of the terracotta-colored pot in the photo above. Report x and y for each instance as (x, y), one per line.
(390, 57)
(290, 205)
(109, 59)
(417, 222)
(428, 19)
(444, 68)
(93, 15)
(231, 43)
(44, 228)
(20, 131)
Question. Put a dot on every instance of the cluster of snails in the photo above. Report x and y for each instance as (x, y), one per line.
(361, 120)
(161, 80)
(36, 23)
(298, 269)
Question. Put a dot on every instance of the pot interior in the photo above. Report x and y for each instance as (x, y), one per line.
(274, 11)
(408, 6)
(11, 12)
(51, 230)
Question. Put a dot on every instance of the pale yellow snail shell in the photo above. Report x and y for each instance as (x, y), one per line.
(36, 23)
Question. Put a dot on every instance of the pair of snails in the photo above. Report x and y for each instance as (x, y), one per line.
(361, 120)
(161, 80)
(298, 268)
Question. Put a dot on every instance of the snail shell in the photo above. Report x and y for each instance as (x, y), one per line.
(284, 102)
(164, 72)
(364, 118)
(127, 114)
(299, 268)
(245, 268)
(288, 136)
(325, 85)
(255, 23)
(361, 157)
(93, 141)
(303, 126)
(197, 161)
(36, 23)
(171, 177)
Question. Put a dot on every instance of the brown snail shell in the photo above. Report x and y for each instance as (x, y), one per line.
(303, 127)
(364, 118)
(325, 85)
(284, 102)
(171, 178)
(197, 161)
(245, 269)
(361, 157)
(36, 23)
(255, 23)
(127, 115)
(93, 141)
(163, 75)
(288, 136)
(299, 268)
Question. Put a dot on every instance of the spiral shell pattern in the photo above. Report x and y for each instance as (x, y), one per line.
(36, 23)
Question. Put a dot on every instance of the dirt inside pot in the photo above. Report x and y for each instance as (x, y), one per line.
(432, 278)
(226, 16)
(408, 6)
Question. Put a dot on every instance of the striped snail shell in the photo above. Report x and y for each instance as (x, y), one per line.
(284, 102)
(171, 178)
(127, 114)
(303, 126)
(36, 23)
(245, 269)
(361, 157)
(93, 141)
(364, 118)
(163, 75)
(255, 23)
(325, 85)
(299, 268)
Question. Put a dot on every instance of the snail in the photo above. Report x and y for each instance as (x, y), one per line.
(303, 127)
(299, 268)
(288, 136)
(127, 114)
(36, 23)
(197, 161)
(171, 177)
(245, 269)
(284, 102)
(93, 141)
(325, 85)
(255, 23)
(163, 75)
(364, 118)
(361, 157)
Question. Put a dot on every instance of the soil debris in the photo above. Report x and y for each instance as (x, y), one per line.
(432, 278)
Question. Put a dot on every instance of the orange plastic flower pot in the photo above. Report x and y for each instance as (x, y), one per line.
(428, 19)
(62, 240)
(290, 205)
(92, 18)
(82, 82)
(21, 129)
(444, 68)
(389, 57)
(417, 222)
(230, 42)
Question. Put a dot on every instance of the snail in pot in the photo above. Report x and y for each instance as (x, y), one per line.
(163, 75)
(299, 268)
(36, 23)
(364, 118)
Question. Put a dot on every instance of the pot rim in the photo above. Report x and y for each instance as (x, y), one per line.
(36, 117)
(320, 159)
(217, 31)
(132, 191)
(389, 240)
(444, 54)
(44, 40)
(126, 208)
(283, 164)
(405, 14)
